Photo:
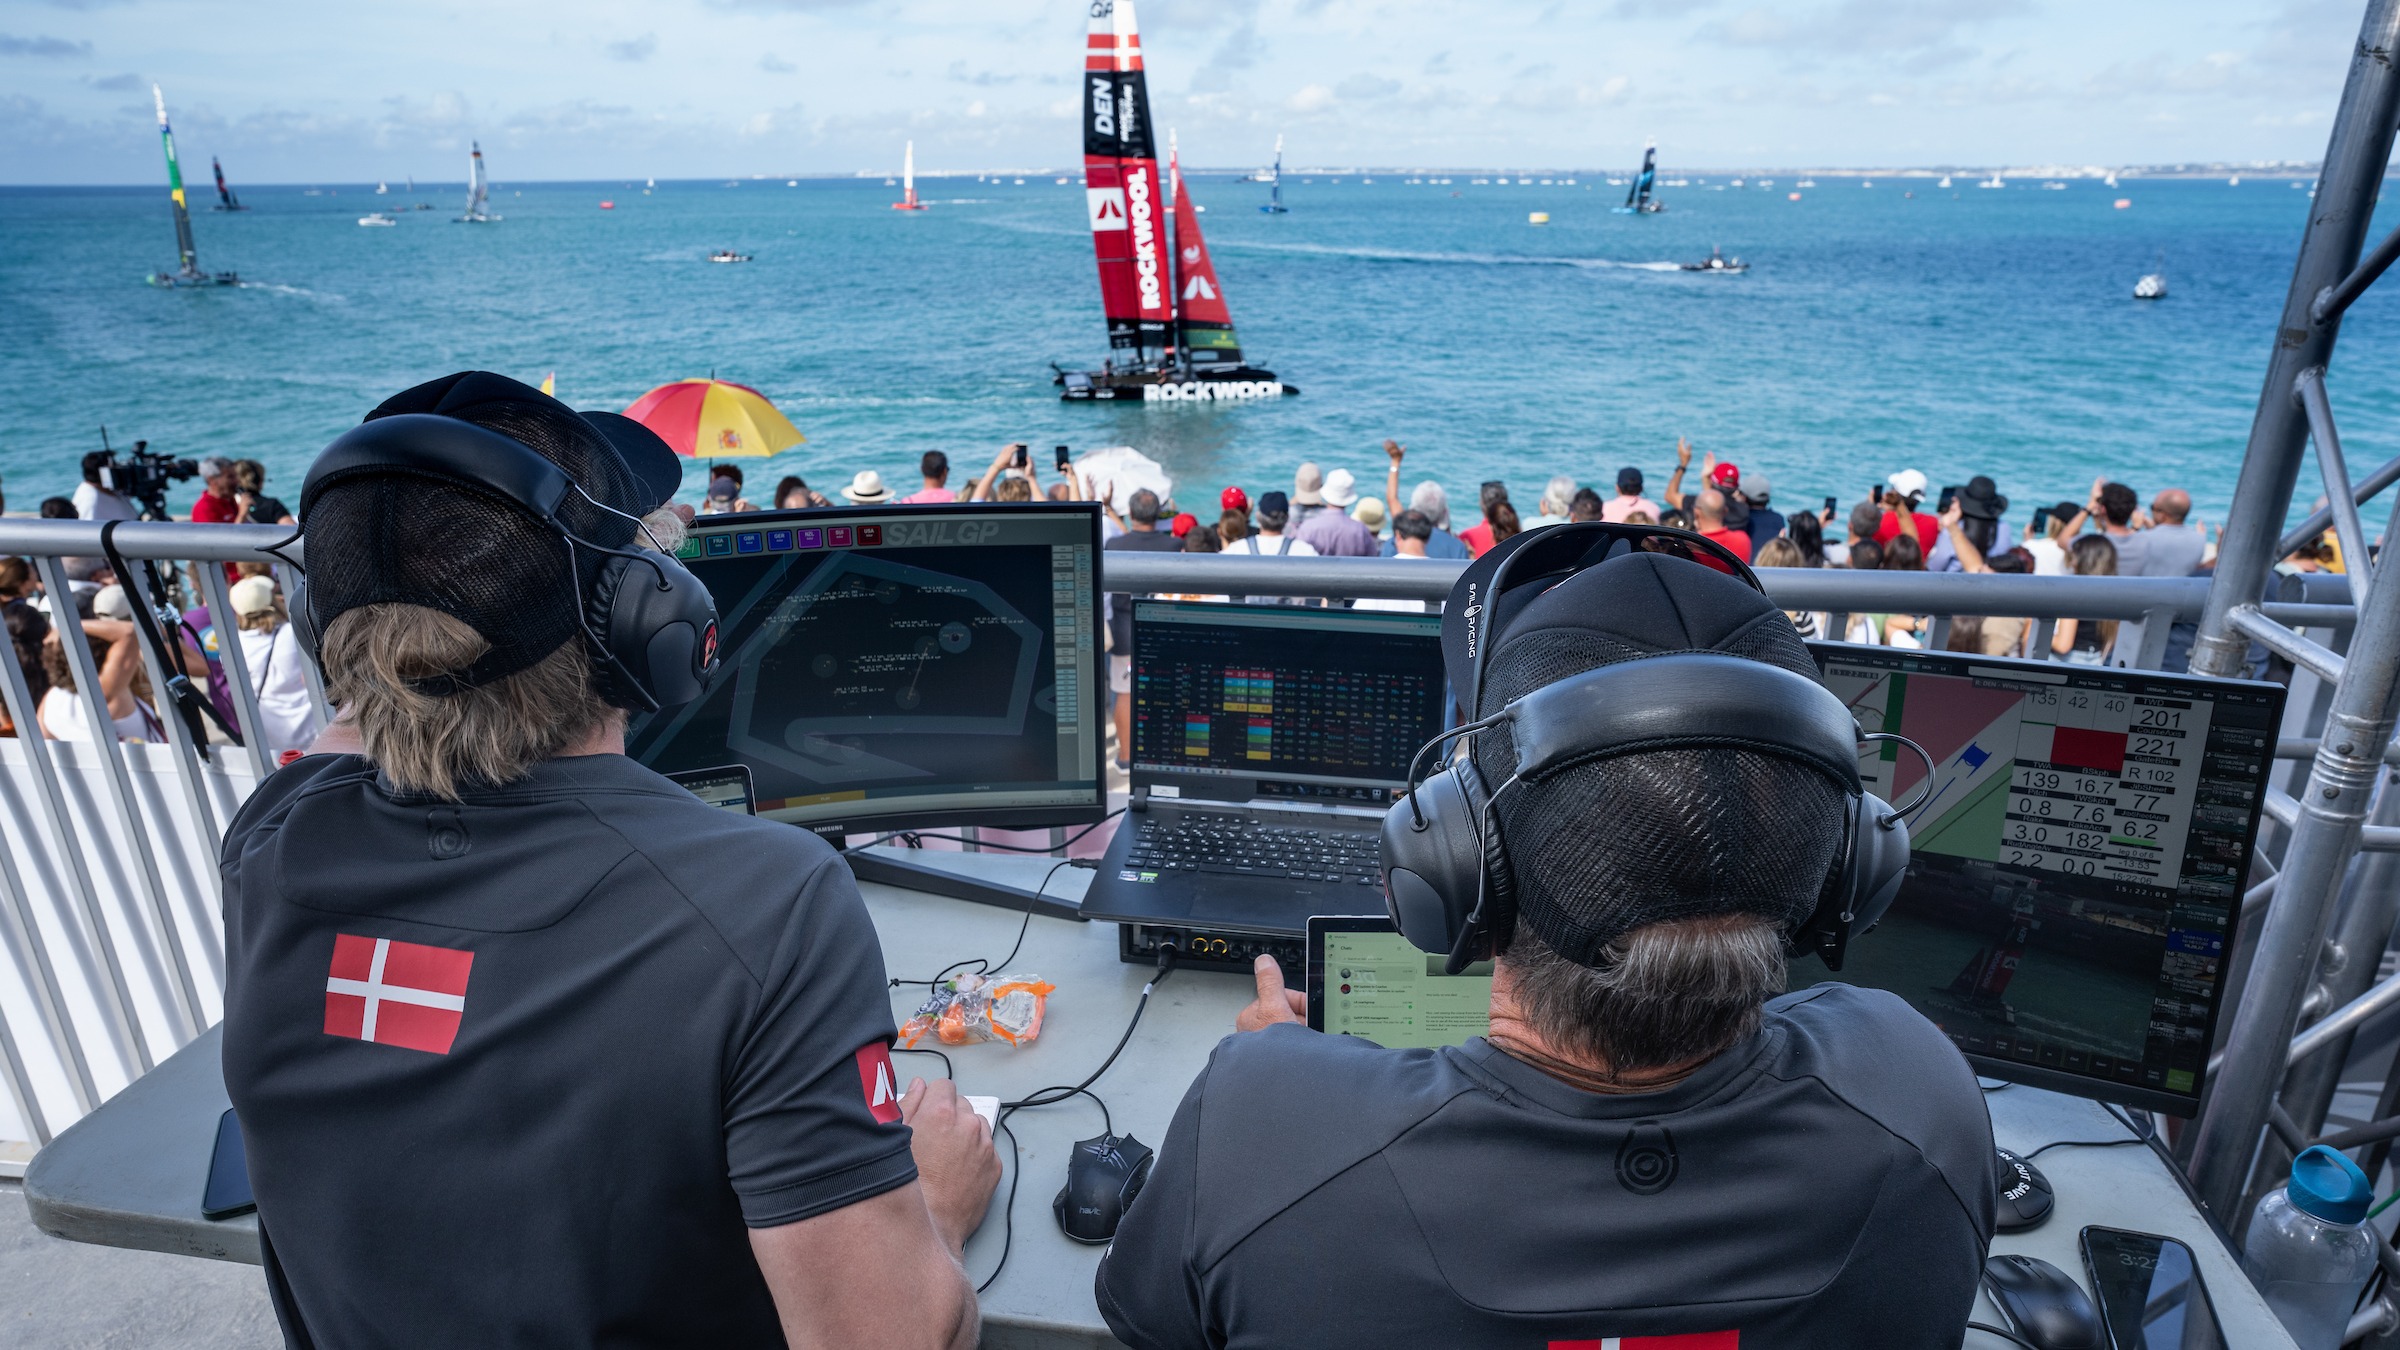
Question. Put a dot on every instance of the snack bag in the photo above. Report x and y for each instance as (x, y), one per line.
(973, 1007)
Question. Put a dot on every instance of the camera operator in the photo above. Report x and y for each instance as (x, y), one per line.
(1650, 1143)
(94, 502)
(528, 1044)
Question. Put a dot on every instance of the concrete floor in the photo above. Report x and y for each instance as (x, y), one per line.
(72, 1296)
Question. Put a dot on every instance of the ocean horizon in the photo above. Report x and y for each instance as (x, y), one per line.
(1955, 332)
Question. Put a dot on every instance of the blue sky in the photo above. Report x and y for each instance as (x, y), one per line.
(303, 90)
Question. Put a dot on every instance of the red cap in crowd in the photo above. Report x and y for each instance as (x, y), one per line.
(1725, 476)
(1184, 524)
(1234, 499)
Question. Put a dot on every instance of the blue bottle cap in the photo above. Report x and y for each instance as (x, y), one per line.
(2329, 1186)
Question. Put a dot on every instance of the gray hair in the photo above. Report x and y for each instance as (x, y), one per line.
(1666, 994)
(1558, 495)
(1432, 502)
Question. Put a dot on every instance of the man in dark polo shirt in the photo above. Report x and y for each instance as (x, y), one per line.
(529, 1046)
(1649, 1148)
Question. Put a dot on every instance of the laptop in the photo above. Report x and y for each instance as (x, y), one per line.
(1366, 980)
(1267, 742)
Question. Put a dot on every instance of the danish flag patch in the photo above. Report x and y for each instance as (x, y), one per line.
(876, 1081)
(396, 993)
(1688, 1341)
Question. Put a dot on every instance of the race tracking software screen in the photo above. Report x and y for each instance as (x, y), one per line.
(2077, 868)
(898, 665)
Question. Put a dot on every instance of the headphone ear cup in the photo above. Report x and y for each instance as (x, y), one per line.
(656, 625)
(1433, 862)
(304, 622)
(1865, 881)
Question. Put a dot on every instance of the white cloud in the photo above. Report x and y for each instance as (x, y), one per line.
(1311, 99)
(633, 49)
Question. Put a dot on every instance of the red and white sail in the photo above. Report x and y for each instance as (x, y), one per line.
(1123, 193)
(1203, 325)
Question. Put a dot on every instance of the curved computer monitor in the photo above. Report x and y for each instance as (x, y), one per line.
(898, 666)
(2077, 869)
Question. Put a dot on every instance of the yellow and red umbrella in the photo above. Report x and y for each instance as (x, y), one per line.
(706, 419)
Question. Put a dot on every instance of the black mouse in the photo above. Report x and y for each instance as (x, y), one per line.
(2025, 1197)
(1104, 1173)
(2043, 1304)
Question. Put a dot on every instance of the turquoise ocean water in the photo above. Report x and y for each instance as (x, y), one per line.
(1956, 332)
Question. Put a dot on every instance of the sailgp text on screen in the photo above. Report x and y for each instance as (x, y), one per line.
(928, 533)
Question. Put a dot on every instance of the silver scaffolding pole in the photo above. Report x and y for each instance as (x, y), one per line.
(2332, 808)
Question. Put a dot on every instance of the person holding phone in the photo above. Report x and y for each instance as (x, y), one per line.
(1014, 462)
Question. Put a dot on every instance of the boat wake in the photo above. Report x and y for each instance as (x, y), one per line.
(1455, 259)
(278, 288)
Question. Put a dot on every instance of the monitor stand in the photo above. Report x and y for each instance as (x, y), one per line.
(892, 869)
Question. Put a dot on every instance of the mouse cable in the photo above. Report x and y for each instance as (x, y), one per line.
(2137, 1135)
(2009, 1336)
(1166, 967)
(982, 963)
(1068, 842)
(949, 1070)
(1016, 1171)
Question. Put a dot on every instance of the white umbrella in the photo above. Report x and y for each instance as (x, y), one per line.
(1124, 471)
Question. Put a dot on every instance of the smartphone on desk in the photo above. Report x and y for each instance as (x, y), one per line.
(2149, 1291)
(228, 1189)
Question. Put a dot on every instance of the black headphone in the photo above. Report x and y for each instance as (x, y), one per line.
(1447, 882)
(653, 634)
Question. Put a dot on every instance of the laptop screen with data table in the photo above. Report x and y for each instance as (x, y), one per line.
(2077, 868)
(1366, 980)
(1235, 702)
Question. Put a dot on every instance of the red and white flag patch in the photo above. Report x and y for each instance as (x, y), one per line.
(876, 1081)
(396, 993)
(1686, 1341)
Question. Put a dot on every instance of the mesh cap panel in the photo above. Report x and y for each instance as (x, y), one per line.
(1608, 847)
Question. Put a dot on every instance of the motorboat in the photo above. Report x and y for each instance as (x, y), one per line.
(726, 255)
(375, 218)
(2152, 286)
(1716, 261)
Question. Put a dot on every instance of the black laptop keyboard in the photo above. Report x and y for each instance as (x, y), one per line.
(1244, 846)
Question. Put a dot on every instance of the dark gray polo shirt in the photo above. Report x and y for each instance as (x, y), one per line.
(1828, 1183)
(524, 1070)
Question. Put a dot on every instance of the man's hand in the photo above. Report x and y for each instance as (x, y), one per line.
(1392, 448)
(1683, 453)
(956, 1163)
(1275, 1003)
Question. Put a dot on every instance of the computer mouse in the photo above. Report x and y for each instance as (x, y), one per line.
(1104, 1173)
(2025, 1198)
(2043, 1304)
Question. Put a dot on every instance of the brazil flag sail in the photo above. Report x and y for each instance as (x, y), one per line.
(1121, 184)
(1203, 324)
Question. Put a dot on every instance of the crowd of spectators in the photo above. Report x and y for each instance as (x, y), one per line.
(1323, 513)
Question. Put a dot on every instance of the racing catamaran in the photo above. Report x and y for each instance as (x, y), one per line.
(1151, 287)
(479, 192)
(1638, 201)
(1275, 206)
(908, 181)
(187, 267)
(226, 201)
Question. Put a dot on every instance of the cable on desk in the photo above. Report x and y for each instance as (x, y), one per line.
(915, 835)
(1166, 966)
(2139, 1135)
(983, 964)
(2009, 1336)
(949, 1071)
(1016, 1170)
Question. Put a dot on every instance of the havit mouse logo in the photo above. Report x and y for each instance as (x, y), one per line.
(875, 1080)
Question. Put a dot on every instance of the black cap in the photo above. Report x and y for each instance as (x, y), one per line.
(1274, 504)
(1629, 481)
(1695, 831)
(654, 463)
(378, 537)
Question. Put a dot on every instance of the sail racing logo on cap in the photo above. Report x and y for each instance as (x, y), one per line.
(1471, 613)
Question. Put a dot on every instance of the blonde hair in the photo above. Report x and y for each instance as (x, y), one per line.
(492, 734)
(268, 619)
(1781, 552)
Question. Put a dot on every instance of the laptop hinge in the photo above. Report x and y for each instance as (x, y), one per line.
(1139, 799)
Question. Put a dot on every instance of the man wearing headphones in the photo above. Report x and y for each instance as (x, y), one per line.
(1650, 1148)
(529, 1045)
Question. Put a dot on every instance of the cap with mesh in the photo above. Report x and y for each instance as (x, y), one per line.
(388, 538)
(1692, 832)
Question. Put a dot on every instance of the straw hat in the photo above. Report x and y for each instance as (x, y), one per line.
(1369, 512)
(254, 595)
(866, 488)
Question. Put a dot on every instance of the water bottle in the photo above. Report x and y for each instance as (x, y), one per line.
(2309, 1249)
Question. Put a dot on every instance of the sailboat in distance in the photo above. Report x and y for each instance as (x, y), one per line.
(1170, 334)
(187, 267)
(908, 181)
(1274, 205)
(226, 201)
(1638, 201)
(479, 191)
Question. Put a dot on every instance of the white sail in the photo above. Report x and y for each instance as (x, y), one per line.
(478, 191)
(908, 171)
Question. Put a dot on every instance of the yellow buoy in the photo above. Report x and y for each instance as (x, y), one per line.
(1538, 218)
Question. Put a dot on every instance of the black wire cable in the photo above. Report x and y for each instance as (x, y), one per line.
(1988, 1329)
(949, 1071)
(983, 964)
(1166, 967)
(1069, 842)
(1016, 1172)
(2139, 1134)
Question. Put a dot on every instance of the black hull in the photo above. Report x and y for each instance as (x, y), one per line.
(181, 280)
(1239, 384)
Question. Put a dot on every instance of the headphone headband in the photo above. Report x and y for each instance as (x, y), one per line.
(1683, 699)
(428, 445)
